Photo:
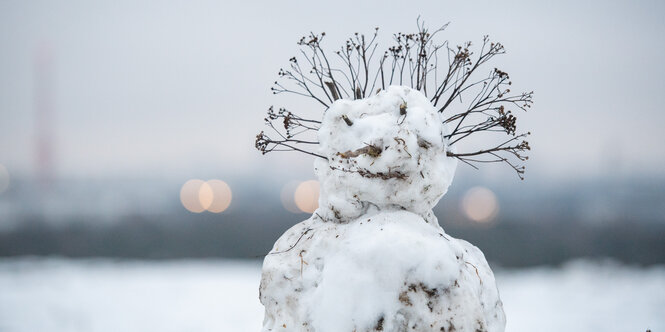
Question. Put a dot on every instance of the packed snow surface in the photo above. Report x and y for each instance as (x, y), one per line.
(373, 257)
(107, 295)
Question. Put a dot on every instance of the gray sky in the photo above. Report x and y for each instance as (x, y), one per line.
(180, 89)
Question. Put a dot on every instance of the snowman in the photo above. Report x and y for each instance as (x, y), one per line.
(373, 256)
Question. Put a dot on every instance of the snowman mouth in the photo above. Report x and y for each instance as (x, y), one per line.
(390, 174)
(374, 152)
(369, 149)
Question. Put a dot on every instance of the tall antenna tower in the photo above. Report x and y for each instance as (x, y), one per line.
(44, 131)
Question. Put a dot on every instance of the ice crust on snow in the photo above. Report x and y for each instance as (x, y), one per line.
(385, 151)
(373, 257)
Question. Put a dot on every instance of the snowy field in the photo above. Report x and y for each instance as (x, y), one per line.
(218, 295)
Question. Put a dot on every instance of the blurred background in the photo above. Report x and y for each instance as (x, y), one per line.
(131, 195)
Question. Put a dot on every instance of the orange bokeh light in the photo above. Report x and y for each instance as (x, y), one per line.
(306, 196)
(220, 195)
(198, 196)
(190, 196)
(480, 204)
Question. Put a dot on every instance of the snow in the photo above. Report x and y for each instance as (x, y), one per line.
(585, 296)
(371, 142)
(105, 295)
(63, 295)
(373, 257)
(392, 269)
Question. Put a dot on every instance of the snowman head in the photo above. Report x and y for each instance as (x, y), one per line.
(387, 151)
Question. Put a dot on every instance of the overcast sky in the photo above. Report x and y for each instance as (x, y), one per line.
(179, 89)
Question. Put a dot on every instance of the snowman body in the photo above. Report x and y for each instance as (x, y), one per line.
(373, 257)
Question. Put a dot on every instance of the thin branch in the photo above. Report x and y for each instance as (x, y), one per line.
(473, 105)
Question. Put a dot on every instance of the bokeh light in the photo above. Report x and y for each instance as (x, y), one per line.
(307, 196)
(480, 204)
(190, 196)
(198, 196)
(4, 178)
(287, 196)
(206, 195)
(220, 195)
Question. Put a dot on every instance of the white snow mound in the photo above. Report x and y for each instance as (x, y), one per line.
(385, 151)
(373, 257)
(392, 271)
